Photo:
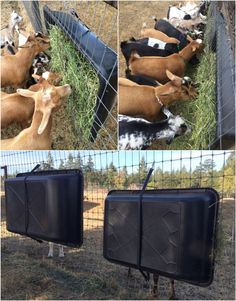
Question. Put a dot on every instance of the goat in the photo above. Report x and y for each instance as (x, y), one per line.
(175, 12)
(138, 133)
(155, 287)
(17, 108)
(7, 33)
(9, 49)
(141, 79)
(186, 24)
(156, 67)
(50, 252)
(38, 136)
(156, 34)
(147, 101)
(128, 46)
(193, 10)
(168, 47)
(15, 68)
(165, 27)
(171, 31)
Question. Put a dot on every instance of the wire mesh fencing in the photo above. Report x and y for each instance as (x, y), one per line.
(222, 34)
(84, 271)
(83, 37)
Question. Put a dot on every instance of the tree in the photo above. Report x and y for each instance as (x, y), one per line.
(49, 164)
(62, 165)
(121, 179)
(227, 181)
(89, 166)
(142, 171)
(78, 161)
(70, 162)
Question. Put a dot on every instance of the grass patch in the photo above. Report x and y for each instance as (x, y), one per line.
(201, 113)
(82, 78)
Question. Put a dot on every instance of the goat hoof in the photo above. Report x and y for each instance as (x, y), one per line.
(61, 255)
(50, 255)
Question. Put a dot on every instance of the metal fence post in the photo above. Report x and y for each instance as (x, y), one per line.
(32, 8)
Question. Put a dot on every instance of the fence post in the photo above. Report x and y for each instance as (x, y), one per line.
(5, 171)
(32, 8)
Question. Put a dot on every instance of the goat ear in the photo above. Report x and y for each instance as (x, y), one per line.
(170, 75)
(175, 79)
(25, 93)
(44, 121)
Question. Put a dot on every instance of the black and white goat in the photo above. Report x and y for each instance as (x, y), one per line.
(156, 43)
(138, 133)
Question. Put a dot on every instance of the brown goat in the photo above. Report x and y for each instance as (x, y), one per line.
(15, 68)
(145, 101)
(38, 136)
(17, 108)
(156, 34)
(156, 66)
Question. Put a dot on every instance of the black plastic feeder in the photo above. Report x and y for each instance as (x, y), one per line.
(46, 205)
(170, 232)
(102, 58)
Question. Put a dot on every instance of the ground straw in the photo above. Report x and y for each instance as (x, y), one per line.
(80, 75)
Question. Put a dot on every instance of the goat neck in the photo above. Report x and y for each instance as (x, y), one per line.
(187, 53)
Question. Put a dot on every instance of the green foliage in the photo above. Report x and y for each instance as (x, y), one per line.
(200, 113)
(82, 78)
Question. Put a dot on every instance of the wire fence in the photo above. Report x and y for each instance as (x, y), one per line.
(223, 36)
(84, 273)
(83, 38)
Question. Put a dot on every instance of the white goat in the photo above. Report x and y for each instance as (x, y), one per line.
(7, 33)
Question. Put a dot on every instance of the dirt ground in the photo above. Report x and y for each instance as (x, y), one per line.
(84, 273)
(93, 15)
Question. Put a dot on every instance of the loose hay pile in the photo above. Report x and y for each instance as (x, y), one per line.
(77, 72)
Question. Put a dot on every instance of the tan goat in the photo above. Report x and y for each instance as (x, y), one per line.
(156, 66)
(156, 34)
(17, 108)
(15, 68)
(38, 136)
(146, 101)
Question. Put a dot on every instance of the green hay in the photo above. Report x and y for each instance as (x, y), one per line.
(79, 74)
(200, 113)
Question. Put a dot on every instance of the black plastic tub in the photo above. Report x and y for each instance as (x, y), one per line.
(46, 205)
(169, 232)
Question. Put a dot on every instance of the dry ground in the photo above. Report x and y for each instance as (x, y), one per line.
(93, 15)
(27, 273)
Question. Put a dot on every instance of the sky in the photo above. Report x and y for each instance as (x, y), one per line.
(167, 160)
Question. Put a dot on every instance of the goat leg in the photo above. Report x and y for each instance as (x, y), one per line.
(172, 285)
(129, 274)
(155, 285)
